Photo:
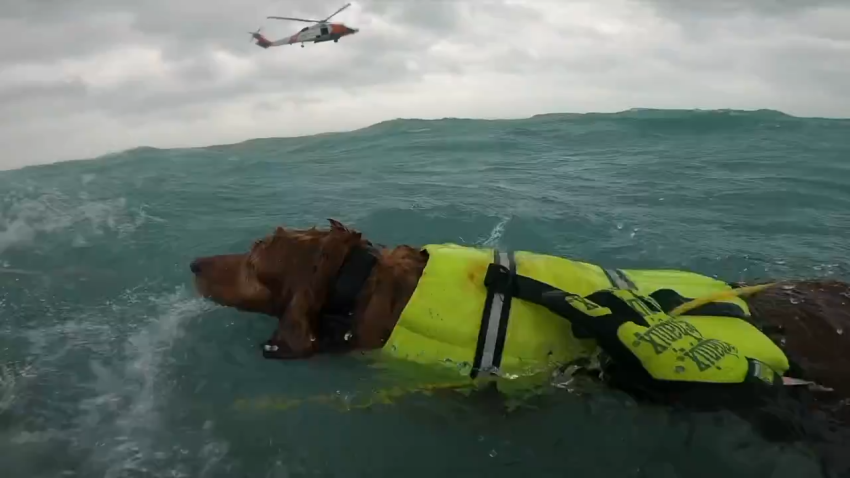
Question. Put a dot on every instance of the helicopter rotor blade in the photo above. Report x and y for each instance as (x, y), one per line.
(295, 19)
(334, 13)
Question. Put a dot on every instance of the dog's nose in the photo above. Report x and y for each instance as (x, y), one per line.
(195, 266)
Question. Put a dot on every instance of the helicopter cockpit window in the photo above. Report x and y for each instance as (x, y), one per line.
(304, 29)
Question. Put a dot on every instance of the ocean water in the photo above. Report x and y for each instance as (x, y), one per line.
(111, 366)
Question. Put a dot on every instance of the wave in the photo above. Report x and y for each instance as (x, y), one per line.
(661, 120)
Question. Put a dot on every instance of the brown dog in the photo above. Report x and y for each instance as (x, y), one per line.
(294, 275)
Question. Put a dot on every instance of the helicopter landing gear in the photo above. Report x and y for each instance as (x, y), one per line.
(302, 45)
(336, 40)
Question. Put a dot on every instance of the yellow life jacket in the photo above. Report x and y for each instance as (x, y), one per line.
(453, 318)
(696, 348)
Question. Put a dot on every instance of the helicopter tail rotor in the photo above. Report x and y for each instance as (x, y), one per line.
(261, 40)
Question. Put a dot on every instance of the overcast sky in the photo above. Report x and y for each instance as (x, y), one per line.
(81, 78)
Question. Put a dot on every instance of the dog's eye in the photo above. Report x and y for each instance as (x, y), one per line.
(258, 244)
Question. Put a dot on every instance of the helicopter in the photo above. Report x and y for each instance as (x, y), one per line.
(320, 31)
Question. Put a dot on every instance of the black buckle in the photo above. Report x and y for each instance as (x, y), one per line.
(555, 297)
(335, 329)
(499, 279)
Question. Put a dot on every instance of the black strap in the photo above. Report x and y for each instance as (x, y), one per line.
(669, 299)
(502, 280)
(336, 325)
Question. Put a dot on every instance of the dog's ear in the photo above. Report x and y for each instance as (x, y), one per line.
(295, 334)
(336, 225)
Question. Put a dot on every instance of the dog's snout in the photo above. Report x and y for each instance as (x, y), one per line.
(195, 266)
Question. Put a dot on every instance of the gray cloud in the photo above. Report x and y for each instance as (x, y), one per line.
(726, 8)
(96, 76)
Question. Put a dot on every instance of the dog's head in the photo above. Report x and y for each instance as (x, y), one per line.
(286, 274)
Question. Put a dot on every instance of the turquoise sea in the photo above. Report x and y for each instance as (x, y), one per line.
(110, 366)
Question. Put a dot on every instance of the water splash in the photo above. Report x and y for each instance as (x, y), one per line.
(23, 219)
(121, 421)
(8, 387)
(496, 233)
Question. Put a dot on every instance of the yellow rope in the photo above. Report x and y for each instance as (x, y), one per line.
(726, 294)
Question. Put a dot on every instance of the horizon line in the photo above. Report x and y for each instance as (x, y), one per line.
(107, 155)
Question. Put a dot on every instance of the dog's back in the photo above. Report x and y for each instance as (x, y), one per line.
(813, 317)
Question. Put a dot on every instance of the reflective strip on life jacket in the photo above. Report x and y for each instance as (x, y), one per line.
(494, 323)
